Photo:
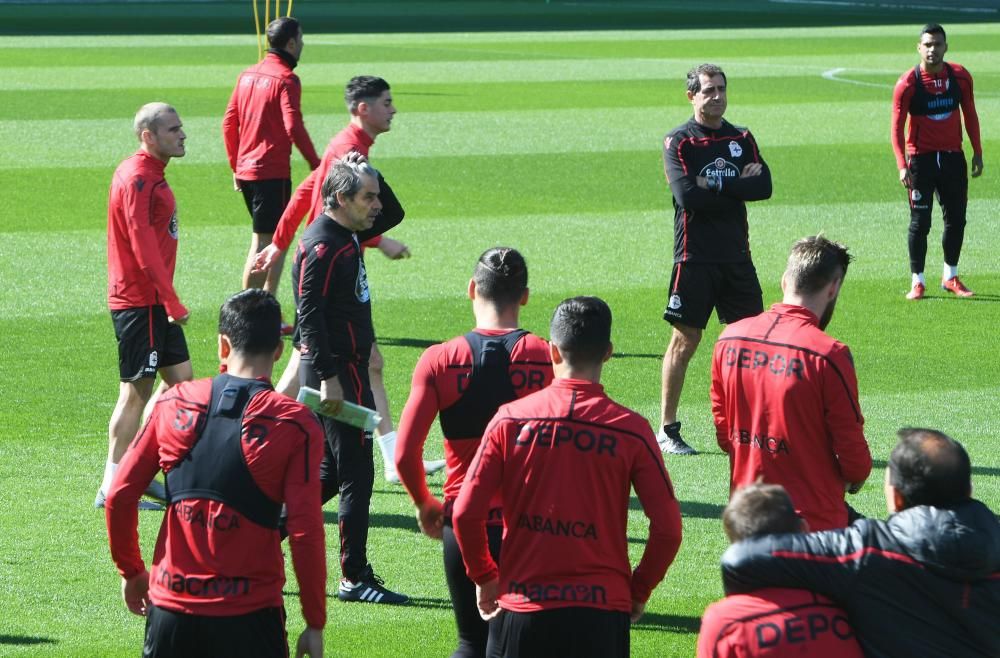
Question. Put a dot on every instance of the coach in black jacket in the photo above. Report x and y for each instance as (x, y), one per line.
(924, 583)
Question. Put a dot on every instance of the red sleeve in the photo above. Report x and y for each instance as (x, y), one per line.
(121, 512)
(291, 115)
(418, 415)
(372, 242)
(306, 536)
(717, 393)
(901, 96)
(297, 208)
(473, 504)
(844, 419)
(231, 128)
(656, 494)
(710, 644)
(969, 112)
(137, 202)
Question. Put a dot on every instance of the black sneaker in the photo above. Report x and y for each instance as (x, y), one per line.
(670, 440)
(369, 588)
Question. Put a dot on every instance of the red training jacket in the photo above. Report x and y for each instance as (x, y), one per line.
(565, 460)
(307, 200)
(438, 382)
(785, 403)
(263, 118)
(776, 623)
(142, 237)
(933, 132)
(208, 560)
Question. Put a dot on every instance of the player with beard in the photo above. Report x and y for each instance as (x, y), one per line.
(785, 396)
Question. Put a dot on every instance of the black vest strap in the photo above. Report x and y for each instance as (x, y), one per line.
(924, 102)
(487, 388)
(215, 468)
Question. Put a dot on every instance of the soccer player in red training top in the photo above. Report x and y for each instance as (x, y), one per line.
(785, 396)
(335, 324)
(931, 160)
(464, 381)
(713, 169)
(369, 101)
(262, 121)
(233, 452)
(145, 308)
(772, 622)
(564, 461)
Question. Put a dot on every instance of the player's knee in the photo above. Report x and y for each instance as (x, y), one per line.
(684, 341)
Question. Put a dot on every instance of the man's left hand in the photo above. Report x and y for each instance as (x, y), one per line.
(486, 598)
(135, 591)
(393, 249)
(977, 166)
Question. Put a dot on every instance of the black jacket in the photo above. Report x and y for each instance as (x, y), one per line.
(924, 583)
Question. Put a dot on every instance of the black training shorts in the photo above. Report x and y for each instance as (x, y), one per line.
(266, 200)
(259, 634)
(696, 288)
(147, 341)
(578, 632)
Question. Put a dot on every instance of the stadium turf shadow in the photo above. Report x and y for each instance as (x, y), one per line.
(378, 520)
(25, 639)
(654, 621)
(690, 509)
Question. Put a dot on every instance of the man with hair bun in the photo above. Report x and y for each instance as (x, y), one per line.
(464, 381)
(262, 121)
(563, 462)
(785, 396)
(925, 582)
(335, 326)
(145, 309)
(772, 622)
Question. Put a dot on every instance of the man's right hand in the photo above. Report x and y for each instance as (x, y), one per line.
(265, 258)
(904, 177)
(486, 599)
(180, 321)
(310, 643)
(752, 169)
(430, 517)
(331, 396)
(236, 184)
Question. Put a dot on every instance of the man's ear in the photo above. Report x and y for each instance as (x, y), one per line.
(472, 289)
(555, 354)
(524, 297)
(278, 351)
(607, 355)
(225, 347)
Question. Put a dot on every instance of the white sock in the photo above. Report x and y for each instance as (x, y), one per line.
(109, 475)
(387, 444)
(950, 271)
(918, 278)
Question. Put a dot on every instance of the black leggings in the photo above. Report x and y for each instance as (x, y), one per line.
(472, 630)
(943, 175)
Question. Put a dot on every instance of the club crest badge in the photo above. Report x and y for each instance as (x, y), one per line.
(915, 195)
(735, 149)
(173, 228)
(674, 303)
(154, 359)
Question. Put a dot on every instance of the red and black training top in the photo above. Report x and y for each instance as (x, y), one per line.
(142, 237)
(332, 295)
(444, 376)
(565, 460)
(932, 102)
(210, 558)
(776, 623)
(711, 227)
(307, 200)
(785, 403)
(264, 118)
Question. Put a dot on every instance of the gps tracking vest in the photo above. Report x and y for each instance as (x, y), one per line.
(215, 467)
(924, 103)
(485, 389)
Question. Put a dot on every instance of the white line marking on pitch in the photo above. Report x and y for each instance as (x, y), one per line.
(887, 5)
(833, 73)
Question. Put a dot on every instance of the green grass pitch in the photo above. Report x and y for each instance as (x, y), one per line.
(547, 141)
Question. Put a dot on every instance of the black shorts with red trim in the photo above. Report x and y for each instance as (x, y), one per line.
(732, 289)
(578, 632)
(258, 634)
(266, 200)
(147, 341)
